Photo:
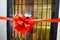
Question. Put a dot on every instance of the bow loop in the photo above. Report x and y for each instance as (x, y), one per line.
(21, 25)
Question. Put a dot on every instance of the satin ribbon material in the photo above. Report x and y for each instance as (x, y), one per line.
(46, 20)
(5, 18)
(22, 24)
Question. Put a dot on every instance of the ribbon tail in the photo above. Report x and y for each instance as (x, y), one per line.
(5, 18)
(47, 20)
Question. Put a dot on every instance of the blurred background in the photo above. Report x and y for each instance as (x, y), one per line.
(39, 9)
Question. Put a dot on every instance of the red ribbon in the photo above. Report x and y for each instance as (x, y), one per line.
(46, 20)
(22, 24)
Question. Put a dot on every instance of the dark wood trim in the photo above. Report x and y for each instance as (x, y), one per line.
(9, 14)
(54, 26)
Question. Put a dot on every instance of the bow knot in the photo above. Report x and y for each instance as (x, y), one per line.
(21, 25)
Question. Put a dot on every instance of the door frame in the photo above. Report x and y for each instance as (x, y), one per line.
(54, 26)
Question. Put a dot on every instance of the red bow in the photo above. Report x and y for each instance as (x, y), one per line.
(22, 24)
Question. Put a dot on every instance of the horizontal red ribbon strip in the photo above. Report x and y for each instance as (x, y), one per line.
(5, 18)
(46, 20)
(35, 20)
(22, 24)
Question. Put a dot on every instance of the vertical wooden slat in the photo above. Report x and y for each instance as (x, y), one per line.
(29, 8)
